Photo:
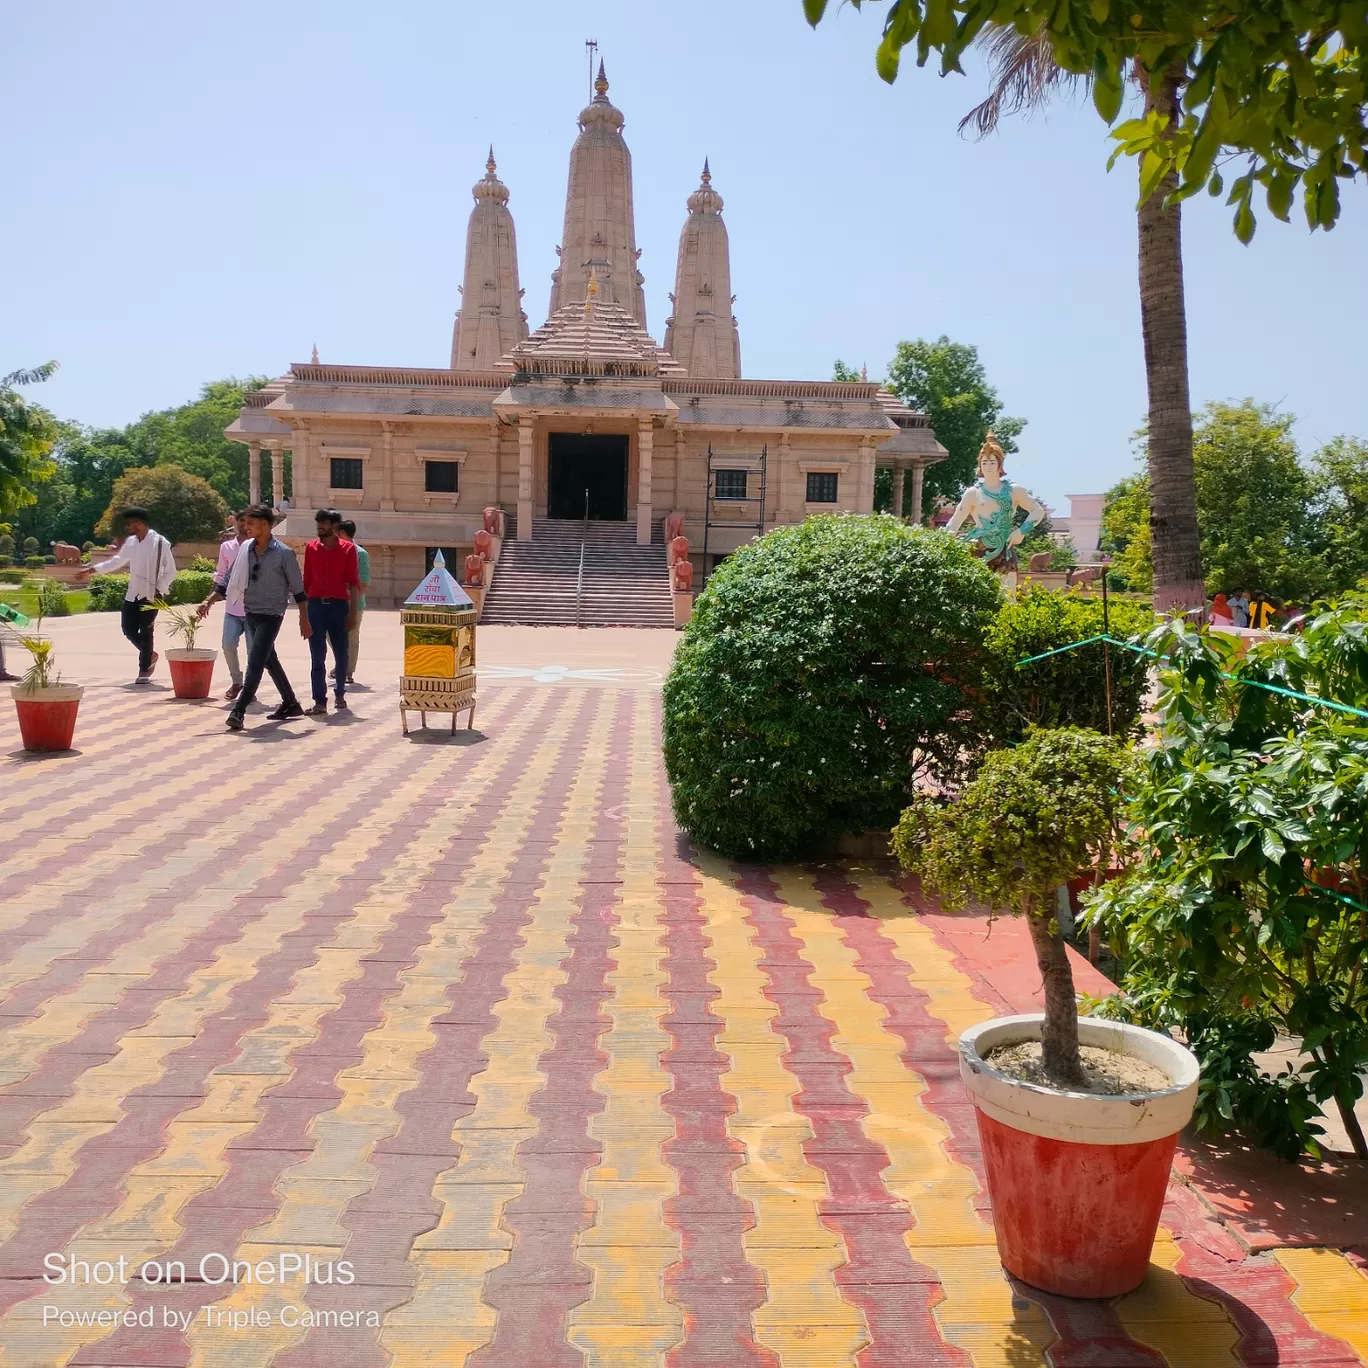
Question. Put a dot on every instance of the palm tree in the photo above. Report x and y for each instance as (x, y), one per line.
(1025, 75)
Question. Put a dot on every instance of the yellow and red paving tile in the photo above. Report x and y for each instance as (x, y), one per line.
(528, 1081)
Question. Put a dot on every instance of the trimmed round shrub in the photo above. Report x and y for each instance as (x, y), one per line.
(826, 666)
(190, 586)
(34, 562)
(6, 562)
(106, 593)
(30, 546)
(1070, 689)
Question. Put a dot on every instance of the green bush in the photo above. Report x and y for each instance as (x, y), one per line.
(6, 544)
(52, 599)
(8, 576)
(825, 666)
(190, 586)
(34, 562)
(30, 546)
(6, 562)
(201, 563)
(1067, 690)
(107, 593)
(1244, 917)
(87, 547)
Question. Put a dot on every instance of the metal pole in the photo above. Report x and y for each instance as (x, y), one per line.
(1106, 648)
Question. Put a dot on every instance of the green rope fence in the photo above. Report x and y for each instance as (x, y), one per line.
(1255, 683)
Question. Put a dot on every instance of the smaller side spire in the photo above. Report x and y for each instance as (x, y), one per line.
(490, 322)
(701, 335)
(315, 354)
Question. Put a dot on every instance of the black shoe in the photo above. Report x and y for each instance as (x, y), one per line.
(285, 712)
(341, 706)
(233, 721)
(318, 710)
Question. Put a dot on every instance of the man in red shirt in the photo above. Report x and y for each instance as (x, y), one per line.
(333, 584)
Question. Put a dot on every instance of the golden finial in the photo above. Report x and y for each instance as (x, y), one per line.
(591, 291)
(489, 165)
(601, 83)
(707, 175)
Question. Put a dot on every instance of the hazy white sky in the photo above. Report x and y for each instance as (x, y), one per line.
(208, 189)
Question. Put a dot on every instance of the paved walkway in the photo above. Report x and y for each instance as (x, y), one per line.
(462, 1022)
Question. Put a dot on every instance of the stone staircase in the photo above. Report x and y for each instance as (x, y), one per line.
(625, 585)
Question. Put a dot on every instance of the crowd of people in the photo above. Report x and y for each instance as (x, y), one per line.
(1243, 608)
(258, 577)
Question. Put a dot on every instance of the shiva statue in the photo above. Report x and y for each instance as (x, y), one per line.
(987, 512)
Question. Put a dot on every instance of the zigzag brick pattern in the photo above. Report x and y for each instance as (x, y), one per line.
(469, 1014)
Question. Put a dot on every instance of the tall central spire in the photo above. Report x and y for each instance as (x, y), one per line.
(600, 229)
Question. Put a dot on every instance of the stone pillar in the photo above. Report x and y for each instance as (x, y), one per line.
(899, 483)
(254, 472)
(299, 469)
(645, 445)
(389, 589)
(918, 475)
(387, 468)
(277, 476)
(525, 469)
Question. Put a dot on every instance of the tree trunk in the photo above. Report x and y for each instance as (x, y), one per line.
(1176, 550)
(1059, 1033)
(1352, 1127)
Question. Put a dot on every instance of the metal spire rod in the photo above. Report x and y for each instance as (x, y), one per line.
(591, 48)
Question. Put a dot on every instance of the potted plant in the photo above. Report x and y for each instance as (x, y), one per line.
(192, 671)
(1078, 1119)
(46, 707)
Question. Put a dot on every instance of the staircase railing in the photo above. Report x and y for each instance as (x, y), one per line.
(579, 582)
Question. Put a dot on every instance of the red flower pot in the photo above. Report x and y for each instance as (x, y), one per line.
(1077, 1180)
(47, 717)
(192, 672)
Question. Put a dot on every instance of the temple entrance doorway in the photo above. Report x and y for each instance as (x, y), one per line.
(593, 464)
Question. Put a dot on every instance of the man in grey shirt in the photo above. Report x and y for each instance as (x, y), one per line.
(266, 573)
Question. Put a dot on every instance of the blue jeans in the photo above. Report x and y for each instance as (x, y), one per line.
(328, 623)
(234, 629)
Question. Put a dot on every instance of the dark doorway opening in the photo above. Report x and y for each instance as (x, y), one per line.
(594, 464)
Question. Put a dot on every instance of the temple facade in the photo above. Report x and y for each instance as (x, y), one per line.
(587, 417)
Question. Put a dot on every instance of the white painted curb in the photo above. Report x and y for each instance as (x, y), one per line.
(1081, 1118)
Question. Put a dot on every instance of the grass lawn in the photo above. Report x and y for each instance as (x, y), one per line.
(26, 600)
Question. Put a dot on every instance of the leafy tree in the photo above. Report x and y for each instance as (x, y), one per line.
(1245, 915)
(1034, 816)
(183, 506)
(826, 667)
(191, 436)
(1254, 509)
(1340, 507)
(26, 437)
(846, 374)
(946, 381)
(1278, 87)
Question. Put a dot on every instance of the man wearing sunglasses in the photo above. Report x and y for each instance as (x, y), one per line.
(265, 576)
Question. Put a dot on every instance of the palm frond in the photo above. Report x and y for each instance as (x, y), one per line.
(28, 377)
(1025, 76)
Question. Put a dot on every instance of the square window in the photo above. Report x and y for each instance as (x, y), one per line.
(821, 487)
(348, 472)
(441, 477)
(730, 484)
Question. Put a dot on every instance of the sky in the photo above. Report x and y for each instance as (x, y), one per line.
(204, 190)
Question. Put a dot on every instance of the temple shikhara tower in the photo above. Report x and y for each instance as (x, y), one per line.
(584, 432)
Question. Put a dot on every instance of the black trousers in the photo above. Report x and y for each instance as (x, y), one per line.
(262, 630)
(137, 618)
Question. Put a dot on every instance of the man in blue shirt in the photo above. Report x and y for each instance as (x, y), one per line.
(363, 568)
(266, 574)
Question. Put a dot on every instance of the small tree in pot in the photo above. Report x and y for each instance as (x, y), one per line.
(192, 671)
(1032, 819)
(1077, 1170)
(45, 706)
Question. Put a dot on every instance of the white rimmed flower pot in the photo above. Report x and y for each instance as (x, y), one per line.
(192, 672)
(1077, 1180)
(47, 717)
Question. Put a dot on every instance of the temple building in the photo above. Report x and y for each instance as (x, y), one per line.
(585, 423)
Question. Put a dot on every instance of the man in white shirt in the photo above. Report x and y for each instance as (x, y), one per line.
(151, 568)
(234, 612)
